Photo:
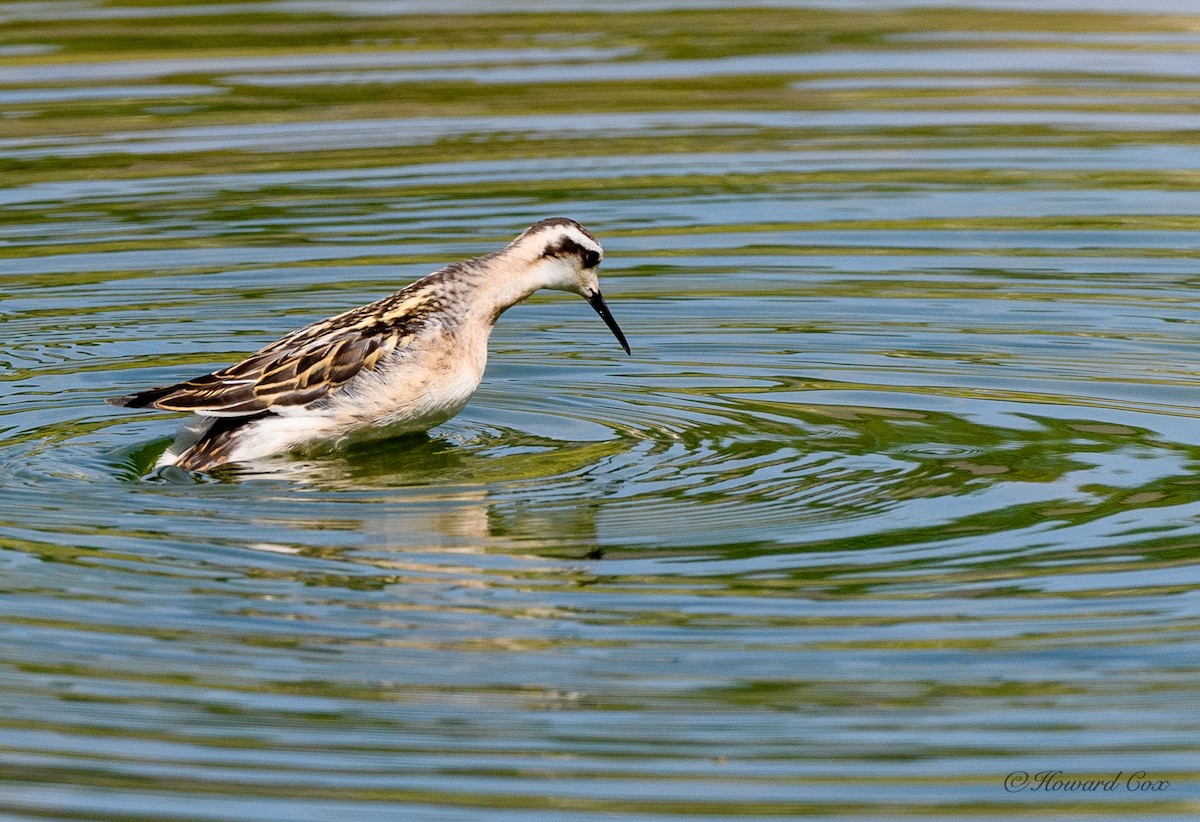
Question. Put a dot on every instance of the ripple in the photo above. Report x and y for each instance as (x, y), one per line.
(900, 481)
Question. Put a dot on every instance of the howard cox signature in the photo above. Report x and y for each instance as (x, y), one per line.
(1058, 782)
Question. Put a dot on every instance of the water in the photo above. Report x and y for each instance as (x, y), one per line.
(896, 496)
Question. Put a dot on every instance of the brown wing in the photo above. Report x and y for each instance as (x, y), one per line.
(302, 367)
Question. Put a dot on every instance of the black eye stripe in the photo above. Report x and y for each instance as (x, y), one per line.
(566, 247)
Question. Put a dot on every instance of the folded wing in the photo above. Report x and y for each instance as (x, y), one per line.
(302, 368)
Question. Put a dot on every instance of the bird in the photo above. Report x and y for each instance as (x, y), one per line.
(402, 364)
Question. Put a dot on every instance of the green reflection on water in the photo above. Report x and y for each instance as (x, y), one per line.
(836, 519)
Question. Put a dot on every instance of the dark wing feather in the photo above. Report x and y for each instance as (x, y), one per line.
(216, 444)
(303, 366)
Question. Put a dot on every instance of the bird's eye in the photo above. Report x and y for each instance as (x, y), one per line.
(591, 259)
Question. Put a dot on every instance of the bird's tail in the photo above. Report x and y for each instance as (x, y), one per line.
(142, 399)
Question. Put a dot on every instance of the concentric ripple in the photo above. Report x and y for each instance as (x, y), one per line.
(897, 496)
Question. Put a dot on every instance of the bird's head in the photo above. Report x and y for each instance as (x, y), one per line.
(564, 256)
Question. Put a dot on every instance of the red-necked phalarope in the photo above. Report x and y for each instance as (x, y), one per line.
(401, 364)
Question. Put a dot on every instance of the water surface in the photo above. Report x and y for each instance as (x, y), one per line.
(896, 496)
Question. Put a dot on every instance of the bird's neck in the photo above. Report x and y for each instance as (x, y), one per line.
(500, 287)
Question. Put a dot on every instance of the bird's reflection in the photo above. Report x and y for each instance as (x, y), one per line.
(441, 501)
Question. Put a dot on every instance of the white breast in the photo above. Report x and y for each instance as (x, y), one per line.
(415, 389)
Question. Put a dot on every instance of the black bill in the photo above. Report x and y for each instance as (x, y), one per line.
(596, 301)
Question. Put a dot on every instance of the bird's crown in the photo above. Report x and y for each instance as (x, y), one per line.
(558, 237)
